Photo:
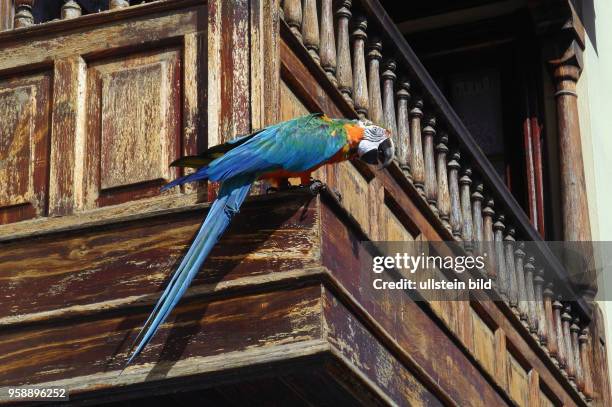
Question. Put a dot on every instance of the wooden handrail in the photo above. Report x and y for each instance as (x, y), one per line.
(406, 56)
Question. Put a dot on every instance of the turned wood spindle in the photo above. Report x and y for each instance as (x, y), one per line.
(71, 9)
(23, 14)
(538, 282)
(519, 261)
(575, 332)
(389, 77)
(431, 183)
(477, 198)
(561, 348)
(113, 4)
(583, 341)
(532, 313)
(360, 84)
(551, 322)
(327, 53)
(375, 110)
(467, 233)
(498, 232)
(444, 204)
(511, 269)
(570, 361)
(456, 220)
(310, 28)
(292, 11)
(417, 166)
(344, 70)
(488, 236)
(403, 126)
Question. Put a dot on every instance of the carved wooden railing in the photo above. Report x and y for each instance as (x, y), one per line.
(368, 60)
(23, 15)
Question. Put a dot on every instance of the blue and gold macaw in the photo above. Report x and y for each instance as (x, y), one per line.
(294, 148)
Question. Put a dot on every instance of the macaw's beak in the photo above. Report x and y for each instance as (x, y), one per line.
(383, 154)
(386, 152)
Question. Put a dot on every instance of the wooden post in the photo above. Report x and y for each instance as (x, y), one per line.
(488, 214)
(23, 13)
(431, 184)
(360, 83)
(551, 326)
(388, 77)
(71, 9)
(416, 143)
(453, 185)
(7, 11)
(511, 269)
(403, 127)
(310, 28)
(467, 234)
(292, 12)
(519, 261)
(374, 92)
(344, 71)
(327, 50)
(442, 176)
(564, 54)
(498, 232)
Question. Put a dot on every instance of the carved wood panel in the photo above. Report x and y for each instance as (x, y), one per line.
(133, 126)
(24, 154)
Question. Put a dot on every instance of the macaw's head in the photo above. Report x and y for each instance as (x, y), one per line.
(375, 146)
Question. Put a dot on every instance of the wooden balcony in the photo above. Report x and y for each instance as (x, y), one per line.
(277, 314)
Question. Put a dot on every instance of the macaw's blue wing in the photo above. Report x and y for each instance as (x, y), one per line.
(231, 195)
(295, 145)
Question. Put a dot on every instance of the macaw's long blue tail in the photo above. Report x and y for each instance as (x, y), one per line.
(231, 196)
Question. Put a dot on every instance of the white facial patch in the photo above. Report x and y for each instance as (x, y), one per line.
(372, 137)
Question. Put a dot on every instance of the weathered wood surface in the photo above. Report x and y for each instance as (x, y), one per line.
(97, 69)
(121, 263)
(376, 201)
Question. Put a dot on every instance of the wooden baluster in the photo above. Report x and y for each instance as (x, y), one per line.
(500, 265)
(23, 14)
(360, 84)
(416, 155)
(118, 4)
(328, 45)
(511, 270)
(292, 10)
(310, 28)
(71, 9)
(390, 124)
(566, 321)
(344, 70)
(575, 332)
(532, 312)
(538, 282)
(477, 198)
(444, 203)
(375, 110)
(431, 183)
(466, 210)
(561, 349)
(488, 214)
(583, 341)
(551, 324)
(519, 261)
(403, 127)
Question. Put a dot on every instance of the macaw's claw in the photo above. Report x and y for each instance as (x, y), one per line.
(316, 187)
(337, 193)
